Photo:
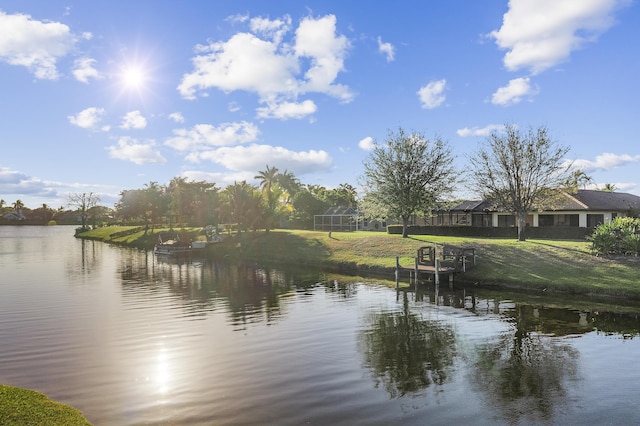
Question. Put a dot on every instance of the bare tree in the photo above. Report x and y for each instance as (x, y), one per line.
(83, 202)
(520, 172)
(408, 174)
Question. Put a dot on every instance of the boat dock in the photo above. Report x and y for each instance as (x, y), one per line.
(433, 264)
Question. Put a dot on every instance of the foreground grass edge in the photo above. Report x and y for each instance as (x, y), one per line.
(21, 407)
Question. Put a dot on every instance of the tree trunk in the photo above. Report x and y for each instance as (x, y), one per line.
(521, 217)
(405, 227)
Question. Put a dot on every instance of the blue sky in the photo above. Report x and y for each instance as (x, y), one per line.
(104, 96)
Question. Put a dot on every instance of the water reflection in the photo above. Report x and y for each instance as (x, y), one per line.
(247, 293)
(525, 372)
(406, 353)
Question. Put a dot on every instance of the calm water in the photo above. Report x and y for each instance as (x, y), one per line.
(130, 339)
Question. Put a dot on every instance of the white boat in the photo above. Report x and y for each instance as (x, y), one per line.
(169, 244)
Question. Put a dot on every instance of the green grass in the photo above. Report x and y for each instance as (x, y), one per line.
(20, 407)
(141, 239)
(552, 265)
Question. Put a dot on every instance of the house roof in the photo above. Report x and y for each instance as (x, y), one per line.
(340, 211)
(583, 199)
(602, 200)
(467, 205)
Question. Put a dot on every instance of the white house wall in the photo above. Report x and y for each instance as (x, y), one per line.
(582, 217)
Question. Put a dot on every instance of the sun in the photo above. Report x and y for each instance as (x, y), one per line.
(133, 77)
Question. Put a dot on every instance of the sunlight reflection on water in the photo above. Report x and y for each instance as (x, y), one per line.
(129, 339)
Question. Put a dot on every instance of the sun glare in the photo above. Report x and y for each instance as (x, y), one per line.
(133, 77)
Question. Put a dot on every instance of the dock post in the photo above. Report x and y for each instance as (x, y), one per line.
(416, 266)
(397, 273)
(451, 281)
(436, 275)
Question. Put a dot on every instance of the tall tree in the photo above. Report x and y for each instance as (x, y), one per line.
(267, 178)
(245, 205)
(408, 174)
(520, 172)
(289, 182)
(83, 202)
(268, 182)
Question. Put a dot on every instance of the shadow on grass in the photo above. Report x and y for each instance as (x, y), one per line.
(276, 247)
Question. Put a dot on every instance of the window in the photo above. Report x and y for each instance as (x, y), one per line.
(594, 220)
(558, 220)
(505, 221)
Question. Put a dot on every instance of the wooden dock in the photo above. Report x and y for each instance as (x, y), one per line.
(433, 265)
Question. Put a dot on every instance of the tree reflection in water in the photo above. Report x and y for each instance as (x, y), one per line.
(406, 353)
(525, 374)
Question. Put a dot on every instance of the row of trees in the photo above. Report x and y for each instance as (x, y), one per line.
(278, 198)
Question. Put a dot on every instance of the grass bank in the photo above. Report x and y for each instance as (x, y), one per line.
(21, 407)
(539, 265)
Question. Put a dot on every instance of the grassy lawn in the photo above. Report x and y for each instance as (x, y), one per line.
(551, 265)
(21, 407)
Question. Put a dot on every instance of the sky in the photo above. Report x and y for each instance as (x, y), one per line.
(105, 96)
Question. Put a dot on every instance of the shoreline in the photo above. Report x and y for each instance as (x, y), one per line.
(550, 266)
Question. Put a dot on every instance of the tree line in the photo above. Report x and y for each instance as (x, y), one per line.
(517, 171)
(279, 199)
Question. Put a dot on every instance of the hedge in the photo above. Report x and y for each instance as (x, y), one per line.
(540, 232)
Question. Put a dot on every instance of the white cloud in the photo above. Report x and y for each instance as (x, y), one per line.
(271, 68)
(273, 29)
(133, 120)
(34, 44)
(431, 96)
(480, 131)
(367, 144)
(316, 39)
(513, 92)
(205, 136)
(244, 62)
(287, 110)
(15, 182)
(386, 49)
(176, 117)
(83, 70)
(220, 179)
(34, 191)
(87, 118)
(542, 33)
(606, 161)
(254, 157)
(130, 149)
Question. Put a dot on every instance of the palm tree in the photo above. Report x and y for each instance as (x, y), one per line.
(609, 187)
(289, 182)
(348, 193)
(18, 205)
(267, 178)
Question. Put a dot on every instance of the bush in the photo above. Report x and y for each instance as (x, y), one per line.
(620, 236)
(541, 232)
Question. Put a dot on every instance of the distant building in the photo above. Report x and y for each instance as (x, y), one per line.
(586, 209)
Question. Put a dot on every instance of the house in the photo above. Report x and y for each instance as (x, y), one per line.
(584, 209)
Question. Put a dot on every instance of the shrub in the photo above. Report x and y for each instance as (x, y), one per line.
(620, 236)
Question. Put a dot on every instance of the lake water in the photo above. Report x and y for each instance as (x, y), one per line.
(130, 339)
